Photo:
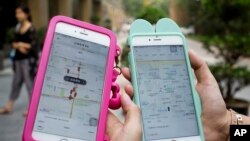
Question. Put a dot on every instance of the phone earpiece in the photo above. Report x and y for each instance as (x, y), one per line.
(115, 100)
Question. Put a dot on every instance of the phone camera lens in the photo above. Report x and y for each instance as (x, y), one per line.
(149, 39)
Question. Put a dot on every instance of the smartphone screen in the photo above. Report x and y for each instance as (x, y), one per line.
(165, 92)
(72, 90)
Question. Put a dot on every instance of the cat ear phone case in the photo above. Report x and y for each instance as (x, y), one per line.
(164, 27)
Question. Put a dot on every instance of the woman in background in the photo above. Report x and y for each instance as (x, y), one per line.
(25, 57)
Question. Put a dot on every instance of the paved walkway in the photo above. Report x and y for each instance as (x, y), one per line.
(11, 126)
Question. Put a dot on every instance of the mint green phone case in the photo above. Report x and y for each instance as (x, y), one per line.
(166, 27)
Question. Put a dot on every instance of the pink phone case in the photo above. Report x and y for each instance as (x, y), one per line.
(30, 120)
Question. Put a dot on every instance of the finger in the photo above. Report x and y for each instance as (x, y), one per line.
(132, 114)
(129, 90)
(201, 69)
(113, 124)
(207, 86)
(126, 73)
(26, 47)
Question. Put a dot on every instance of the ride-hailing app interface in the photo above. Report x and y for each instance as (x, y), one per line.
(72, 90)
(165, 92)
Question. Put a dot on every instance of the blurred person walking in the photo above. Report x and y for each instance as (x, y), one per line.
(24, 55)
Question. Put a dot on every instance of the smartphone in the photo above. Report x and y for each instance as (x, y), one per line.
(71, 92)
(161, 75)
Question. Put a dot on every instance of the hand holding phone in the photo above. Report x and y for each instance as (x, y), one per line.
(216, 117)
(130, 130)
(72, 87)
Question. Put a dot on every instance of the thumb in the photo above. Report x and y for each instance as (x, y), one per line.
(201, 70)
(207, 86)
(113, 124)
(132, 114)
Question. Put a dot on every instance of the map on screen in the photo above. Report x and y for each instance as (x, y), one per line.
(72, 89)
(165, 93)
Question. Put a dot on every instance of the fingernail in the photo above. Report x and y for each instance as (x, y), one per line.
(192, 51)
(126, 100)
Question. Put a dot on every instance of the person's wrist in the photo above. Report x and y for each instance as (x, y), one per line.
(246, 120)
(221, 130)
(224, 130)
(239, 119)
(227, 126)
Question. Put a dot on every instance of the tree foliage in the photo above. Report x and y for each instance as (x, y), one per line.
(151, 14)
(222, 17)
(226, 25)
(132, 6)
(190, 7)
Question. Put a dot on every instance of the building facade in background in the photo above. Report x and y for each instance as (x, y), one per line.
(100, 12)
(43, 10)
